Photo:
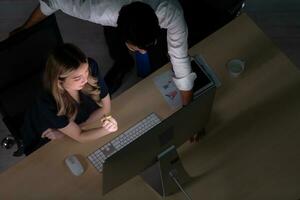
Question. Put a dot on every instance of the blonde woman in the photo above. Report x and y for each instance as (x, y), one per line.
(75, 94)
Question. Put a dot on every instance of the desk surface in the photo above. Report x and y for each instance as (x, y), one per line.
(251, 150)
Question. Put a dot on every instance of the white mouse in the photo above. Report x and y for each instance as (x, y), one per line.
(74, 165)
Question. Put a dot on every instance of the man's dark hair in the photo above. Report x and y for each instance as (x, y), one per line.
(138, 25)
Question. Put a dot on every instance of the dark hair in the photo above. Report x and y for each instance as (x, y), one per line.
(69, 55)
(138, 25)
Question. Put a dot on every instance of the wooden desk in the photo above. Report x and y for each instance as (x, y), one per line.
(260, 105)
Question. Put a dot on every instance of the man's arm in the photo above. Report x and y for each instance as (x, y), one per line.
(171, 17)
(35, 17)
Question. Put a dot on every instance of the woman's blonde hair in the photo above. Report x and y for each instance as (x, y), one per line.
(61, 62)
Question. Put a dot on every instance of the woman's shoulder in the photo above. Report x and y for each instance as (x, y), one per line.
(94, 68)
(95, 71)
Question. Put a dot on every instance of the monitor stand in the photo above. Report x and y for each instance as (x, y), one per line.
(164, 176)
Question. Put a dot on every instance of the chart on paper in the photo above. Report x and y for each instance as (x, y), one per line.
(168, 89)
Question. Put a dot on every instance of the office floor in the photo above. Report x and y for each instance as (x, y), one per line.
(278, 19)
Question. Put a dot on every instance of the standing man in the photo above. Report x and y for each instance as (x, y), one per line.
(137, 26)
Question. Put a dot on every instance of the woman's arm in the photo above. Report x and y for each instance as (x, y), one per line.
(73, 130)
(52, 134)
(99, 113)
(76, 132)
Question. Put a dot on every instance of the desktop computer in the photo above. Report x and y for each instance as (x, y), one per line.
(153, 155)
(149, 147)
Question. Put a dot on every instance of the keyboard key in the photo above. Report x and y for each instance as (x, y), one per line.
(97, 158)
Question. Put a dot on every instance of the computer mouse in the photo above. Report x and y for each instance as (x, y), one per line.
(74, 165)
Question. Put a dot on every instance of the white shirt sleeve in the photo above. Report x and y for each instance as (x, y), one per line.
(104, 12)
(177, 33)
(48, 7)
(170, 16)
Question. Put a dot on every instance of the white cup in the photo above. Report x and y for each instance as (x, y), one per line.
(235, 67)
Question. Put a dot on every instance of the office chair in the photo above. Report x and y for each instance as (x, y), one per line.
(23, 57)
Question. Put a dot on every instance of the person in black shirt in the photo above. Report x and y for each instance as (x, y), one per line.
(75, 94)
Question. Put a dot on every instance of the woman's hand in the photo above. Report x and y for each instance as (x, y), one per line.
(109, 123)
(52, 134)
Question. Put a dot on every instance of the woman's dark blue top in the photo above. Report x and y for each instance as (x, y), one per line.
(43, 114)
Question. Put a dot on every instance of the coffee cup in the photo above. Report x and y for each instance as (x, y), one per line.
(235, 67)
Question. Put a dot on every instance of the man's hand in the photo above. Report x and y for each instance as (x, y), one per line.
(17, 30)
(35, 17)
(52, 134)
(195, 138)
(186, 97)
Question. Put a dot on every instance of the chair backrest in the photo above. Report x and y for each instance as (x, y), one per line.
(22, 60)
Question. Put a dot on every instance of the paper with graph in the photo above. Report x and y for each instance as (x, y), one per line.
(168, 89)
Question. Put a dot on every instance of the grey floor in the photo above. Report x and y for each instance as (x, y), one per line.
(280, 20)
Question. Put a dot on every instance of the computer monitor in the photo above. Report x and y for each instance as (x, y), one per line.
(154, 155)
